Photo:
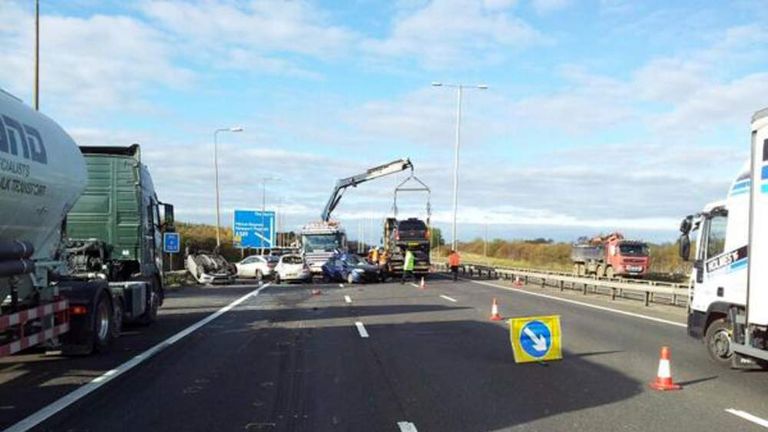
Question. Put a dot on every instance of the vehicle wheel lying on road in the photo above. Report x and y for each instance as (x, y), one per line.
(102, 333)
(718, 341)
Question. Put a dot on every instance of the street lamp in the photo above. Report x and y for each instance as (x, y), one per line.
(459, 90)
(264, 181)
(216, 171)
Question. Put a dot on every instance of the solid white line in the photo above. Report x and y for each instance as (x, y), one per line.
(361, 329)
(603, 308)
(347, 299)
(749, 417)
(82, 391)
(407, 426)
(448, 298)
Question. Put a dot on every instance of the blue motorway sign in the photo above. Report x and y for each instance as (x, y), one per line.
(171, 242)
(254, 229)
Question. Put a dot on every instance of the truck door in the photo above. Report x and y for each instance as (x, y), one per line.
(712, 267)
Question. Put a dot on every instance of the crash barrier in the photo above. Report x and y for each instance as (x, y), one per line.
(637, 289)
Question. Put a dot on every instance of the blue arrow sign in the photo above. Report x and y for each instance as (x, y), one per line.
(536, 339)
(171, 242)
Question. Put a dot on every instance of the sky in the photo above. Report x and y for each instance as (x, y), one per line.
(600, 115)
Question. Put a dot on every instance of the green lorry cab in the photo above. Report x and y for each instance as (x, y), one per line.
(115, 229)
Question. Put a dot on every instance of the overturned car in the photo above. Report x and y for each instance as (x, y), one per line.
(210, 268)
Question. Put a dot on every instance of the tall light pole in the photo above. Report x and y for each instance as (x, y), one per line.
(264, 181)
(459, 91)
(37, 55)
(216, 173)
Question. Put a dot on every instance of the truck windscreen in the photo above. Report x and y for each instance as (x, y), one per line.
(634, 249)
(321, 243)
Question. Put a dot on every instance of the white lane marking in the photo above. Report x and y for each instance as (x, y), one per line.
(749, 417)
(603, 308)
(451, 299)
(82, 391)
(347, 299)
(407, 426)
(414, 285)
(361, 329)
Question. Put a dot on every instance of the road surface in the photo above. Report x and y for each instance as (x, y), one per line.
(389, 357)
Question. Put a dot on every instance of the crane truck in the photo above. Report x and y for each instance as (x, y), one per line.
(62, 292)
(321, 239)
(729, 282)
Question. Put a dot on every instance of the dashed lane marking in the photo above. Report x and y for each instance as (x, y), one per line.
(347, 299)
(407, 426)
(749, 417)
(84, 390)
(361, 329)
(450, 299)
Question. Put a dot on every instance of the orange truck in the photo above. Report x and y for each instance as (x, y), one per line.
(610, 256)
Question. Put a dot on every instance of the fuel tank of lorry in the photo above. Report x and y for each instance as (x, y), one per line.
(42, 173)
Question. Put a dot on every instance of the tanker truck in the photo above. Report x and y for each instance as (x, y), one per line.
(55, 292)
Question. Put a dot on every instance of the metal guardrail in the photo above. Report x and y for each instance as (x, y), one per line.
(638, 289)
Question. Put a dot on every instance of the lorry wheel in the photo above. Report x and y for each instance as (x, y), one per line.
(718, 342)
(576, 269)
(118, 315)
(102, 332)
(153, 305)
(582, 270)
(600, 272)
(609, 273)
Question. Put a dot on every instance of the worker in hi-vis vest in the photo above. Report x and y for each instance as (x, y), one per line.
(454, 261)
(408, 264)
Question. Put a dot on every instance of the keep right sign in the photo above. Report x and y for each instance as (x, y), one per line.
(536, 339)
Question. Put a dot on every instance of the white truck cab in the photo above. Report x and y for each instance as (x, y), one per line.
(729, 283)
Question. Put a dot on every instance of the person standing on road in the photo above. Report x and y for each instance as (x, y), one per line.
(454, 261)
(408, 264)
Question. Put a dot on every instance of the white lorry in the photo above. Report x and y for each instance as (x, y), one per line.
(729, 284)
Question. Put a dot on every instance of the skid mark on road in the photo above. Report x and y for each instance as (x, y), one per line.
(749, 417)
(84, 390)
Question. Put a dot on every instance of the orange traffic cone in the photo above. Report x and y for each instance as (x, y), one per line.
(664, 375)
(495, 311)
(422, 285)
(316, 292)
(518, 283)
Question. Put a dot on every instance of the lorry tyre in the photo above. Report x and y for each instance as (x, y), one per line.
(118, 314)
(582, 270)
(609, 273)
(102, 333)
(150, 315)
(718, 339)
(600, 272)
(576, 269)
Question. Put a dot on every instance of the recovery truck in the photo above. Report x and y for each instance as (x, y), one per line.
(407, 234)
(729, 283)
(321, 239)
(54, 292)
(610, 256)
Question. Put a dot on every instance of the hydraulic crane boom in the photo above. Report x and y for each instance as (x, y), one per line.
(373, 173)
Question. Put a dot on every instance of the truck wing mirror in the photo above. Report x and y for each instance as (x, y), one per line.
(686, 225)
(168, 219)
(685, 247)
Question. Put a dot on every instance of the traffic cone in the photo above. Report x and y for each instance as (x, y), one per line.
(316, 292)
(422, 285)
(664, 375)
(495, 311)
(518, 283)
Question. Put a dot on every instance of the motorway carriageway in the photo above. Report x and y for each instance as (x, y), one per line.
(393, 357)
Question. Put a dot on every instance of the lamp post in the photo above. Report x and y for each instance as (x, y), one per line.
(216, 173)
(264, 181)
(459, 91)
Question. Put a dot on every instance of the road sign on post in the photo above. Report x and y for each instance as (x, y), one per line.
(254, 229)
(536, 339)
(171, 242)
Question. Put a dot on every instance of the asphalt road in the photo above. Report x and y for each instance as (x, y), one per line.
(287, 360)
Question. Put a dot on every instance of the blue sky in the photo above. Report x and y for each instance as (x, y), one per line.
(600, 115)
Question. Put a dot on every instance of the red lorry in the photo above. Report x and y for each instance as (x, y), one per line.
(610, 256)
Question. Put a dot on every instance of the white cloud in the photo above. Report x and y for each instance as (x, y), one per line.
(455, 33)
(547, 6)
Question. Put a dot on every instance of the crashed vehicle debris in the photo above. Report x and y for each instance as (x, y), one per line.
(210, 268)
